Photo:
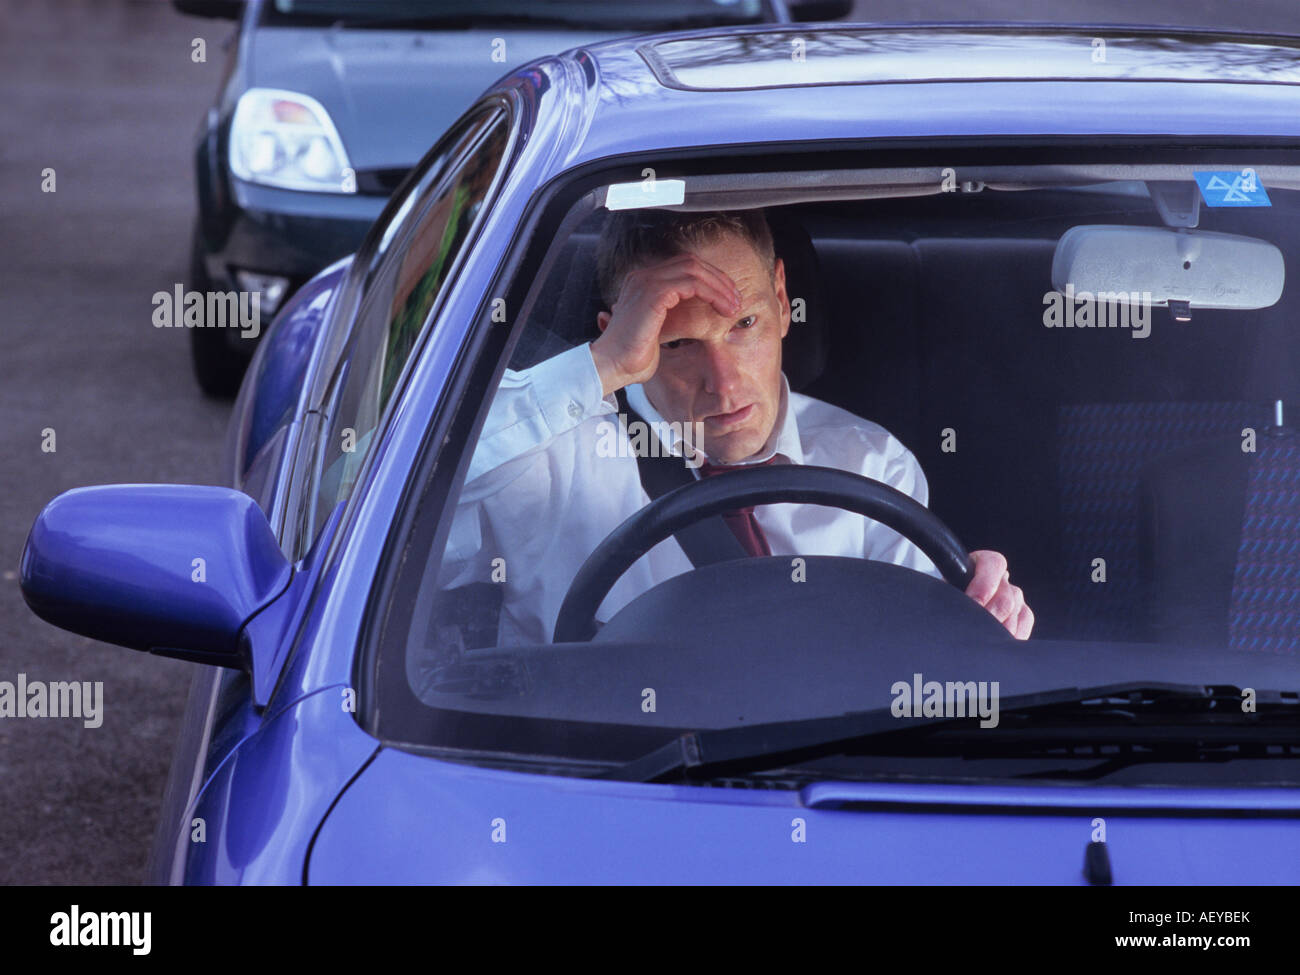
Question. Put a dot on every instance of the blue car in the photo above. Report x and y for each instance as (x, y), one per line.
(470, 610)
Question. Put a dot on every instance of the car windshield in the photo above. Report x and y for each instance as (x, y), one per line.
(1086, 367)
(577, 14)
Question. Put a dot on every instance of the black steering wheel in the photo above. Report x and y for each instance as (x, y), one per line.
(800, 483)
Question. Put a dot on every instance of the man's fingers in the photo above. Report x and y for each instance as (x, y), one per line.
(990, 572)
(722, 298)
(672, 274)
(1024, 624)
(720, 279)
(628, 349)
(713, 286)
(669, 292)
(719, 289)
(992, 589)
(1007, 603)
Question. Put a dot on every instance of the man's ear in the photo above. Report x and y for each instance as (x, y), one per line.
(602, 320)
(782, 299)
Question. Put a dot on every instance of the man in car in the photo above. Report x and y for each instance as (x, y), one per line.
(698, 309)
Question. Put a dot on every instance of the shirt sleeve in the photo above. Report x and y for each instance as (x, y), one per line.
(532, 407)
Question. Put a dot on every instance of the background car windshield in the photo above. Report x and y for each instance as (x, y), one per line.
(1134, 459)
(585, 14)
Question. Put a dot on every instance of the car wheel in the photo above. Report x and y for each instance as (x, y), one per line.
(218, 368)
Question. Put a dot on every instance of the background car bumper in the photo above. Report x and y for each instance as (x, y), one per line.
(285, 234)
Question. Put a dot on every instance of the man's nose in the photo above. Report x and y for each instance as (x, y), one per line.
(721, 374)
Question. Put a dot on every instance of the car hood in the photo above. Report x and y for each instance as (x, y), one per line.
(392, 93)
(410, 819)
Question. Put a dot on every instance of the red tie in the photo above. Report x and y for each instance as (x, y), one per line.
(741, 521)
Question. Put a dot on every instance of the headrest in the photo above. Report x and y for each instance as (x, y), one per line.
(803, 353)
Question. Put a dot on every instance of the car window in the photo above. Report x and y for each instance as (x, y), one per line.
(274, 387)
(400, 295)
(1018, 352)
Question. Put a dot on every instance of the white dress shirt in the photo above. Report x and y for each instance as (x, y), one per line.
(541, 493)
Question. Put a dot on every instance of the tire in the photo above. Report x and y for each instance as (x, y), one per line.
(218, 368)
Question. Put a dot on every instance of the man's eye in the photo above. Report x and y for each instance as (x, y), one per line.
(747, 322)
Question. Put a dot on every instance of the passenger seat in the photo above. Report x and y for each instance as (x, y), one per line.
(1221, 543)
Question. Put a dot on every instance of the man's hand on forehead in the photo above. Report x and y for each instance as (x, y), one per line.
(627, 351)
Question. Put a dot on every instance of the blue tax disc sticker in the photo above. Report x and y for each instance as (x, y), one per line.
(1232, 188)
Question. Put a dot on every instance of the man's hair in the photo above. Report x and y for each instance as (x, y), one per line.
(634, 238)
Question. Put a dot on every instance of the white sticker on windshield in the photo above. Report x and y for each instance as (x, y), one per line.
(646, 193)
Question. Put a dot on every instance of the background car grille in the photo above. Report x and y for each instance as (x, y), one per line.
(380, 182)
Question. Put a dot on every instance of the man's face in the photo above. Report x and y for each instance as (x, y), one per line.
(725, 371)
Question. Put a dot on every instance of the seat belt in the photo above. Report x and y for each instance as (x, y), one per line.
(708, 540)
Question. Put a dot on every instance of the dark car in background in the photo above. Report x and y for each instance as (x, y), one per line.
(325, 105)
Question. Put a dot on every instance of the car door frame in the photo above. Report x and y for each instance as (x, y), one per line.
(194, 761)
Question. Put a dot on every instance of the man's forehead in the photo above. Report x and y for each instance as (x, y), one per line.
(697, 318)
(735, 256)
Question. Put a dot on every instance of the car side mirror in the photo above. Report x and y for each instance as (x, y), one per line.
(171, 569)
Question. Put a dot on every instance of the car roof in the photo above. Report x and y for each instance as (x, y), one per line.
(721, 87)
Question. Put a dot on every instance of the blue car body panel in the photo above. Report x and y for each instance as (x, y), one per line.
(619, 124)
(261, 807)
(439, 822)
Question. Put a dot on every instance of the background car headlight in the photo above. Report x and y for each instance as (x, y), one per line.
(286, 139)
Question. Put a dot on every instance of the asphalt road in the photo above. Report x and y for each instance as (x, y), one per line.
(104, 93)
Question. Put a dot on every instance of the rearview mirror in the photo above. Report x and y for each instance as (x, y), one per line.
(1201, 268)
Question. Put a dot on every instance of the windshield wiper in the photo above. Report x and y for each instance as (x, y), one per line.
(1144, 709)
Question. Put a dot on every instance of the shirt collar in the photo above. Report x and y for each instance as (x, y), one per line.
(783, 442)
